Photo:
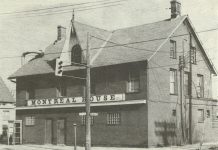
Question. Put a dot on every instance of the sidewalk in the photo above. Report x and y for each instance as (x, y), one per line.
(206, 146)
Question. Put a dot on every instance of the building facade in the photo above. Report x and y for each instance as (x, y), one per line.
(135, 87)
(7, 112)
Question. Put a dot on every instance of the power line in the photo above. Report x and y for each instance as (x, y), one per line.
(150, 40)
(50, 8)
(76, 10)
(117, 45)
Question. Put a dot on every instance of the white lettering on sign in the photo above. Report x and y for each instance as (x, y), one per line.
(72, 100)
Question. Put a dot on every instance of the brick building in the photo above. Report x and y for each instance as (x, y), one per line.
(135, 87)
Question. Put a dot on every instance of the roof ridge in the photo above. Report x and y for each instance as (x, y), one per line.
(147, 23)
(93, 26)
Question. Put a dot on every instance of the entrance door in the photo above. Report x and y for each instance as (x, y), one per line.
(48, 131)
(18, 132)
(61, 131)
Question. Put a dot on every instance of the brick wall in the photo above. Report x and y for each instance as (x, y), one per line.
(132, 130)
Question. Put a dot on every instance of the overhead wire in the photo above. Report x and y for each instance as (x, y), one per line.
(51, 8)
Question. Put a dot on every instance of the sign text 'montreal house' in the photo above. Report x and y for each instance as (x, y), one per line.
(72, 100)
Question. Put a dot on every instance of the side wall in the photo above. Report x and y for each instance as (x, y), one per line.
(164, 125)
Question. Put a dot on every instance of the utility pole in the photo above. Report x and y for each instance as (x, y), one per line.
(88, 121)
(181, 69)
(190, 90)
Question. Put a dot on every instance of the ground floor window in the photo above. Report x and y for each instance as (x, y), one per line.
(30, 120)
(113, 118)
(200, 115)
(83, 120)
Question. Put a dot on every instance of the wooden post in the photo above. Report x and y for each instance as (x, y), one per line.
(181, 68)
(88, 123)
(190, 90)
(74, 125)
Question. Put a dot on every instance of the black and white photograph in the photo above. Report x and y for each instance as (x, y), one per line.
(108, 75)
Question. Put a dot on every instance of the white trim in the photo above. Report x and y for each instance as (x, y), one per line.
(129, 102)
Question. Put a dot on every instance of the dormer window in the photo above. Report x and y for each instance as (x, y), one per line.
(76, 54)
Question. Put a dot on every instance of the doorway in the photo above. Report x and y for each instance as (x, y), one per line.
(61, 131)
(48, 131)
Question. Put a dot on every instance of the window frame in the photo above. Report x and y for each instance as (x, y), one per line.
(173, 49)
(30, 120)
(175, 81)
(61, 89)
(83, 120)
(194, 53)
(201, 120)
(133, 81)
(114, 119)
(200, 86)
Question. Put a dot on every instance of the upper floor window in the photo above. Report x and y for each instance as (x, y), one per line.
(173, 49)
(200, 85)
(76, 54)
(193, 58)
(6, 115)
(62, 89)
(113, 118)
(30, 93)
(186, 83)
(173, 81)
(133, 81)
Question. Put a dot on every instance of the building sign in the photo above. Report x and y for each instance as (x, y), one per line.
(73, 100)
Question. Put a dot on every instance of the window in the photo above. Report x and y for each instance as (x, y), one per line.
(30, 121)
(173, 81)
(113, 118)
(6, 115)
(200, 85)
(174, 112)
(133, 81)
(172, 49)
(193, 52)
(200, 115)
(62, 89)
(208, 113)
(186, 83)
(83, 120)
(30, 93)
(76, 54)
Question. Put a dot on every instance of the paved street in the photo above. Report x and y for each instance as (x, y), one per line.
(206, 146)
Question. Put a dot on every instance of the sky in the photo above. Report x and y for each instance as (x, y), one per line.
(19, 33)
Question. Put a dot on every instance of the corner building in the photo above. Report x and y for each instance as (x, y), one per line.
(134, 88)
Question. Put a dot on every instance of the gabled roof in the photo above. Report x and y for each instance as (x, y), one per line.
(5, 95)
(105, 50)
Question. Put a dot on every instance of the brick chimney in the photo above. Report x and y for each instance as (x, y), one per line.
(61, 32)
(175, 8)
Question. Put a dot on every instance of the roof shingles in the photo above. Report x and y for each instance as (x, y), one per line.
(144, 39)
